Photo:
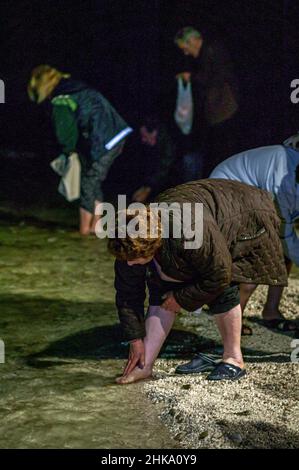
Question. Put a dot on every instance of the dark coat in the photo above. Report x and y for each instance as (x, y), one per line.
(84, 119)
(241, 244)
(215, 83)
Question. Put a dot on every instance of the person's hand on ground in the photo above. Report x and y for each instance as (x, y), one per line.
(170, 303)
(142, 194)
(186, 76)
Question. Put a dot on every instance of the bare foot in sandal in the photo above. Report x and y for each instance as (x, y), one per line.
(276, 321)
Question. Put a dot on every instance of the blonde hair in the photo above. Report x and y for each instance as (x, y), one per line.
(43, 81)
(129, 248)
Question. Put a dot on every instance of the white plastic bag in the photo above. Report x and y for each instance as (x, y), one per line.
(69, 169)
(184, 107)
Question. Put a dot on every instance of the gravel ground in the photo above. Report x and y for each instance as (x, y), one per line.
(259, 411)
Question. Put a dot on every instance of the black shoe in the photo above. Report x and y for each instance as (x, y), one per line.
(200, 363)
(226, 371)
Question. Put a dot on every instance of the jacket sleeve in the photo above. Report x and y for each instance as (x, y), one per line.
(130, 288)
(66, 128)
(217, 67)
(290, 239)
(213, 263)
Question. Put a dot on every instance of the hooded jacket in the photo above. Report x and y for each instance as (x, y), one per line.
(85, 121)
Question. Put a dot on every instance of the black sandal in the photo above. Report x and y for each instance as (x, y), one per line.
(226, 371)
(200, 363)
(280, 324)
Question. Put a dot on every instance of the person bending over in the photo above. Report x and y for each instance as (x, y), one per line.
(240, 245)
(84, 122)
(274, 168)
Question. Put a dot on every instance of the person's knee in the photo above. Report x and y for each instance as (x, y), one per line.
(158, 310)
(235, 310)
(226, 301)
(247, 288)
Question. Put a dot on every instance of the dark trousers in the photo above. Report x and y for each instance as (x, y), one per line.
(93, 175)
(222, 141)
(227, 300)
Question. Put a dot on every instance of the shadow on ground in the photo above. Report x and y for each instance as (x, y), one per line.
(29, 324)
(259, 435)
(105, 342)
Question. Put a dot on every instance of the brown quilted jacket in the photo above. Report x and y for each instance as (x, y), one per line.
(241, 241)
(240, 244)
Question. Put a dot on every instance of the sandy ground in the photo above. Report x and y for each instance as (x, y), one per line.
(259, 411)
(63, 347)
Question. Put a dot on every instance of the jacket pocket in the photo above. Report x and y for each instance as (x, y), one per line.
(245, 237)
(249, 244)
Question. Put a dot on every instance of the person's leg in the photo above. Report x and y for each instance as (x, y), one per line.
(157, 325)
(226, 309)
(229, 325)
(191, 167)
(88, 184)
(101, 170)
(223, 142)
(96, 217)
(85, 221)
(246, 290)
(271, 307)
(228, 316)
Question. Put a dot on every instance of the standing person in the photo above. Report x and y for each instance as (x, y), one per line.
(274, 168)
(215, 89)
(240, 245)
(188, 131)
(155, 152)
(85, 122)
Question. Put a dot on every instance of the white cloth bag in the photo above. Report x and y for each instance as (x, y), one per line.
(69, 168)
(184, 107)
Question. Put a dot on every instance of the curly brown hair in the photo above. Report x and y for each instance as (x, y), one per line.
(128, 248)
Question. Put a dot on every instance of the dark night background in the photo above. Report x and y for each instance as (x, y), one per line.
(125, 49)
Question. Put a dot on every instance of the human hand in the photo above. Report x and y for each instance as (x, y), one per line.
(142, 194)
(136, 356)
(186, 76)
(170, 303)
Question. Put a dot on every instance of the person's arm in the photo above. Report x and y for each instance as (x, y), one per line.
(213, 264)
(291, 246)
(66, 129)
(290, 236)
(130, 296)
